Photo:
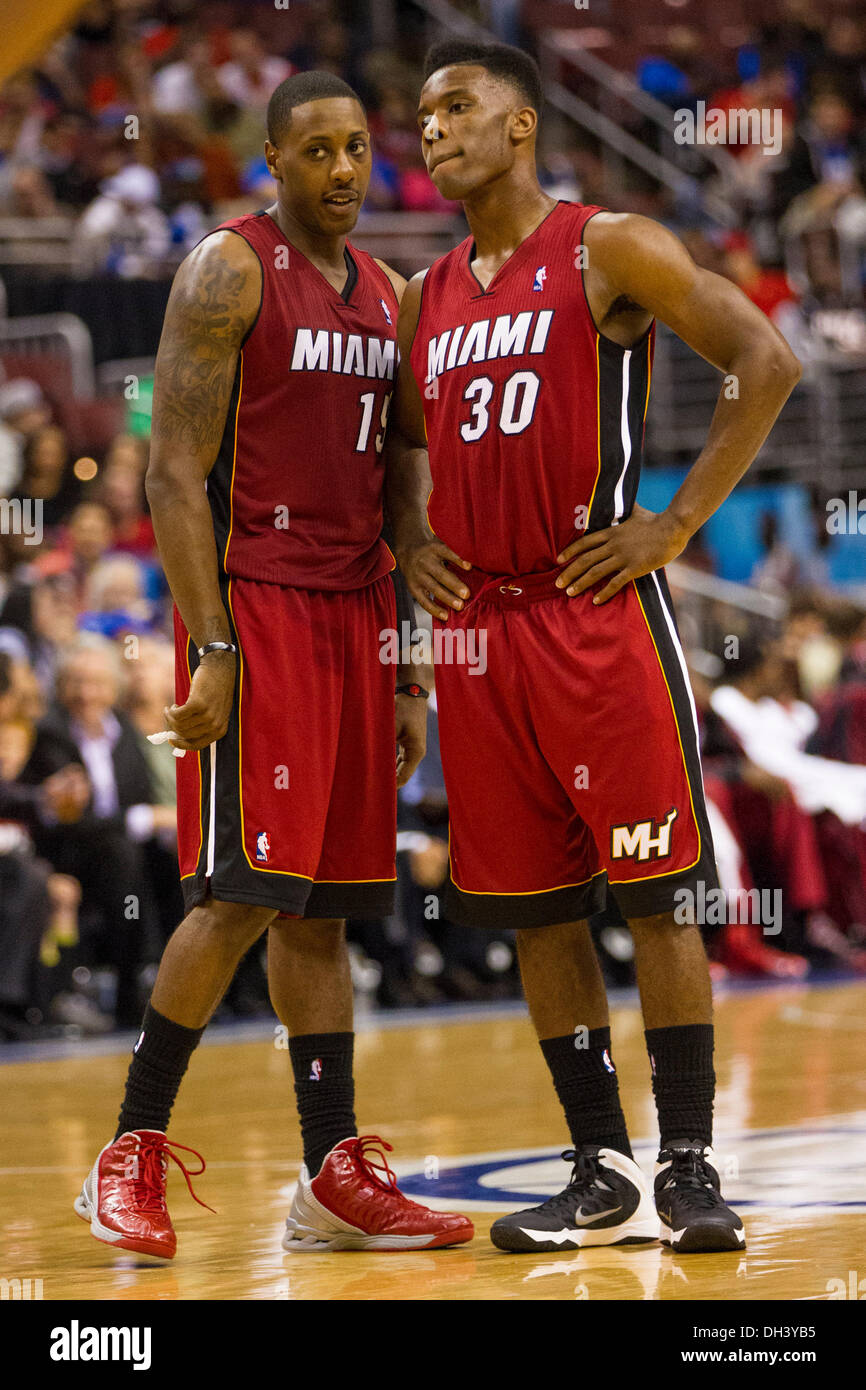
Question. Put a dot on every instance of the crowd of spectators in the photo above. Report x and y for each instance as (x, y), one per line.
(145, 122)
(799, 198)
(144, 125)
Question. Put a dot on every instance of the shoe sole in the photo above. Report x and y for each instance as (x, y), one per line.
(515, 1241)
(300, 1239)
(84, 1208)
(705, 1240)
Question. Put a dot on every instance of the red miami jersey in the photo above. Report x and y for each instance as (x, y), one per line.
(296, 489)
(535, 421)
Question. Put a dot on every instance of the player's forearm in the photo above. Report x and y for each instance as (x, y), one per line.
(758, 381)
(184, 531)
(407, 487)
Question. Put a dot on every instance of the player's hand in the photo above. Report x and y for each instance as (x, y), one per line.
(67, 793)
(426, 571)
(773, 787)
(410, 715)
(647, 541)
(205, 716)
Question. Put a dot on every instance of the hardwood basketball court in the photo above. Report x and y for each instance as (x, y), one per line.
(467, 1103)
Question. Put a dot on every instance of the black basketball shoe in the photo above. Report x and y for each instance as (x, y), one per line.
(607, 1202)
(689, 1202)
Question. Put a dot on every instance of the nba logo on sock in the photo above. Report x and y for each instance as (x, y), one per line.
(315, 1069)
(540, 277)
(263, 846)
(605, 1057)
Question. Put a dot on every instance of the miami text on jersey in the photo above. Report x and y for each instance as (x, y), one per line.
(321, 351)
(506, 336)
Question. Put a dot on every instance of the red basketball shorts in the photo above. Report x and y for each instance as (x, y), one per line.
(570, 752)
(295, 808)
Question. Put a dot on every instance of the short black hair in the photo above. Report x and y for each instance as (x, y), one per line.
(298, 89)
(499, 59)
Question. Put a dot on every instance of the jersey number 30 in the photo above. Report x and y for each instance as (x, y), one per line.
(516, 409)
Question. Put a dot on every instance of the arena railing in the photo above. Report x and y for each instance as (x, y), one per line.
(709, 609)
(55, 335)
(619, 144)
(819, 435)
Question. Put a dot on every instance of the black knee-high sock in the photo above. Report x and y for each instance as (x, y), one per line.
(684, 1082)
(585, 1081)
(159, 1060)
(325, 1089)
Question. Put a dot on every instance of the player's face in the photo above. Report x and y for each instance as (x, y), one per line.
(465, 116)
(323, 164)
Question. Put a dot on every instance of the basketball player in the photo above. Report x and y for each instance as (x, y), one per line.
(573, 764)
(273, 381)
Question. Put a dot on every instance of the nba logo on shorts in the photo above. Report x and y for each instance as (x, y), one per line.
(605, 1057)
(540, 277)
(263, 846)
(315, 1069)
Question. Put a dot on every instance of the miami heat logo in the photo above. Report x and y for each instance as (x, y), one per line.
(263, 846)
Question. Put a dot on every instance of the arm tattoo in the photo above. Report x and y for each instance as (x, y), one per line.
(204, 326)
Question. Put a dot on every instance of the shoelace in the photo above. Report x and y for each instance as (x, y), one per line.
(689, 1170)
(584, 1184)
(149, 1183)
(372, 1143)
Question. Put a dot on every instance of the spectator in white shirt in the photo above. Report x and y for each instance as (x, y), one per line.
(251, 74)
(123, 232)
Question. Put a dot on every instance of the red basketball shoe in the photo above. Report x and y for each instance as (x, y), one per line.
(349, 1206)
(123, 1196)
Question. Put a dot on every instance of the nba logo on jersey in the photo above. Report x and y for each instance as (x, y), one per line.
(385, 310)
(540, 277)
(605, 1057)
(263, 846)
(315, 1069)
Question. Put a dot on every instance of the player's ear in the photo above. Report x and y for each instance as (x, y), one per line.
(272, 156)
(524, 124)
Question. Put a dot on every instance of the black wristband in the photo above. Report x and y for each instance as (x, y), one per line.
(217, 647)
(416, 691)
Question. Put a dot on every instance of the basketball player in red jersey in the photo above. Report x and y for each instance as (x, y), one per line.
(573, 763)
(273, 382)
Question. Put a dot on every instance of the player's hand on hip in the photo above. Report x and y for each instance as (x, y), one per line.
(618, 554)
(205, 716)
(431, 582)
(410, 715)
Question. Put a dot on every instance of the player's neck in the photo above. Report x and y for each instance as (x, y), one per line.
(326, 252)
(505, 213)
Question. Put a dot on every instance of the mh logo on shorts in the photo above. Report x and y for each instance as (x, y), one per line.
(263, 846)
(646, 839)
